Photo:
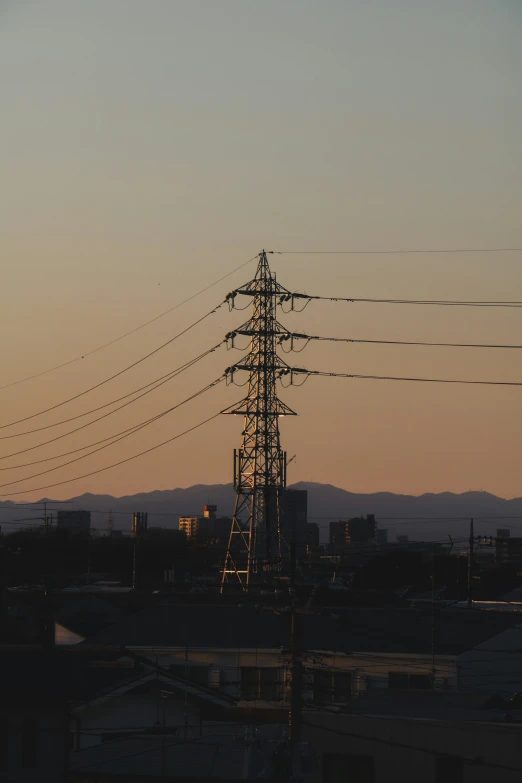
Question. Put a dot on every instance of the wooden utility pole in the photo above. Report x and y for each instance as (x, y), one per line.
(433, 619)
(470, 566)
(296, 671)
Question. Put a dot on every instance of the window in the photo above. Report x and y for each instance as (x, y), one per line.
(405, 680)
(341, 767)
(29, 740)
(449, 769)
(332, 686)
(260, 683)
(4, 741)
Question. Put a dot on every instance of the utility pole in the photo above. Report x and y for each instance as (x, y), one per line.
(139, 526)
(47, 519)
(296, 664)
(433, 619)
(470, 566)
(254, 550)
(134, 559)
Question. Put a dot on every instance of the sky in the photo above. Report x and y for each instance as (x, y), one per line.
(147, 149)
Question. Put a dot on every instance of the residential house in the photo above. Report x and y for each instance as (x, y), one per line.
(243, 652)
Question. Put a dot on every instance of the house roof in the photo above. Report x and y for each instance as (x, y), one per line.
(33, 674)
(355, 629)
(82, 674)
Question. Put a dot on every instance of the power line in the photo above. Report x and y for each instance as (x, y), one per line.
(367, 300)
(323, 374)
(137, 428)
(159, 381)
(116, 375)
(31, 507)
(131, 331)
(299, 336)
(88, 424)
(115, 464)
(397, 252)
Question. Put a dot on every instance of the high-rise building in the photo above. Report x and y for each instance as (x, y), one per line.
(508, 550)
(140, 522)
(337, 533)
(190, 526)
(312, 534)
(75, 521)
(359, 530)
(294, 517)
(205, 529)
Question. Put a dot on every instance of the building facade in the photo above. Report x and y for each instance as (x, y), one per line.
(206, 529)
(359, 530)
(508, 550)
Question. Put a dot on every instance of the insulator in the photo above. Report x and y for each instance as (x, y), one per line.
(230, 298)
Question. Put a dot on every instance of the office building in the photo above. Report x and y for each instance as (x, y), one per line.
(294, 516)
(312, 535)
(140, 522)
(508, 551)
(206, 529)
(359, 530)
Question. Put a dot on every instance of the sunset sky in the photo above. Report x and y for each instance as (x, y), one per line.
(148, 148)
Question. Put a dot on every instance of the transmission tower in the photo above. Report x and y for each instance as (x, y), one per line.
(255, 547)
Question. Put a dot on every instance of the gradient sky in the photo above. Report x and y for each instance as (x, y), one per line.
(147, 148)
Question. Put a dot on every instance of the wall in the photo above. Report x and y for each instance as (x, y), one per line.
(494, 665)
(142, 708)
(369, 670)
(406, 749)
(48, 764)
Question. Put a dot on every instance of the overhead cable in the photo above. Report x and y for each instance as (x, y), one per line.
(301, 371)
(131, 331)
(367, 300)
(398, 252)
(116, 375)
(154, 384)
(115, 464)
(299, 336)
(126, 434)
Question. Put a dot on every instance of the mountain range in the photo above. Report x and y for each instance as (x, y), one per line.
(423, 517)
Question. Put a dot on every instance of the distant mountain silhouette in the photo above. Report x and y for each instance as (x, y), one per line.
(399, 513)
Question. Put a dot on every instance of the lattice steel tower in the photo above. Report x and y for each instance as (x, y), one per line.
(256, 543)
